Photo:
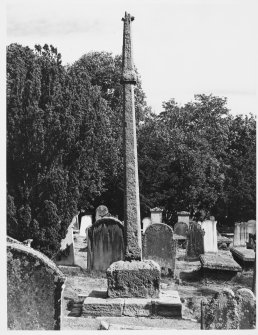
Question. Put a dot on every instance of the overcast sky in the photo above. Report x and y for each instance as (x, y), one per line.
(181, 47)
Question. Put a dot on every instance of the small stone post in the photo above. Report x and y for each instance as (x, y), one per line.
(156, 215)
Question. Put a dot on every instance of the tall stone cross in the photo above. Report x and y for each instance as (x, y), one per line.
(131, 195)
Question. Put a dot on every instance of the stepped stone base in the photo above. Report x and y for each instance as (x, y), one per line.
(168, 305)
(135, 279)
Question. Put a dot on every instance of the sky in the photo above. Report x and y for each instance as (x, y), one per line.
(181, 47)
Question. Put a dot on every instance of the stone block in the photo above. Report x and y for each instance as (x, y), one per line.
(138, 279)
(137, 307)
(168, 305)
(102, 307)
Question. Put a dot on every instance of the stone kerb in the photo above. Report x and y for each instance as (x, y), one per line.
(105, 243)
(210, 241)
(34, 289)
(159, 246)
(227, 310)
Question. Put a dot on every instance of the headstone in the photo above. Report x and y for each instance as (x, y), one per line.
(156, 215)
(251, 228)
(145, 224)
(210, 241)
(195, 246)
(105, 243)
(75, 222)
(132, 218)
(246, 308)
(159, 246)
(183, 217)
(227, 310)
(240, 234)
(101, 212)
(34, 289)
(86, 223)
(65, 255)
(220, 312)
(181, 228)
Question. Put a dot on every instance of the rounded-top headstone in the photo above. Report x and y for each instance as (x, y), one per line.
(101, 211)
(181, 228)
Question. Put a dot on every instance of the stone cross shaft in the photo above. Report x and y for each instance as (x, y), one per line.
(131, 183)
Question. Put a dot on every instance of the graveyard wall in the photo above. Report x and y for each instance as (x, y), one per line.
(34, 289)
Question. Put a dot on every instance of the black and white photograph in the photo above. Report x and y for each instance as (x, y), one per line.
(129, 165)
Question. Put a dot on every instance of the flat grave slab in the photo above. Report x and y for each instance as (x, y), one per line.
(167, 305)
(221, 262)
(246, 255)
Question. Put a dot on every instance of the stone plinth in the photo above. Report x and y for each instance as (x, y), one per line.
(168, 305)
(138, 279)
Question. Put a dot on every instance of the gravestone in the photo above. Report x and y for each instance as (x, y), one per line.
(65, 255)
(101, 212)
(159, 246)
(195, 246)
(240, 234)
(183, 217)
(34, 289)
(227, 310)
(105, 243)
(251, 228)
(145, 224)
(246, 308)
(86, 223)
(220, 312)
(181, 228)
(75, 222)
(156, 215)
(210, 242)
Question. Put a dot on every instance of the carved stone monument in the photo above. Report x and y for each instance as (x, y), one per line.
(128, 278)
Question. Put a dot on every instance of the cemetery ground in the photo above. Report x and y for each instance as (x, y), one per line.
(188, 281)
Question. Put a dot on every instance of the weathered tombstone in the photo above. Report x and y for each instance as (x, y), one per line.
(105, 243)
(220, 312)
(65, 255)
(101, 212)
(75, 222)
(145, 224)
(227, 310)
(34, 289)
(156, 215)
(159, 246)
(181, 228)
(194, 247)
(183, 217)
(210, 241)
(240, 234)
(139, 278)
(251, 228)
(86, 223)
(246, 308)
